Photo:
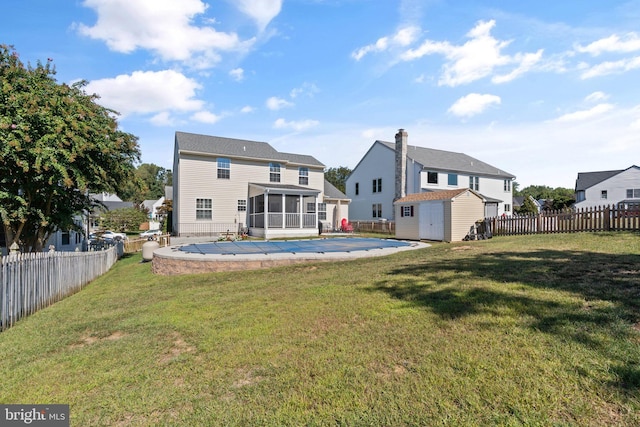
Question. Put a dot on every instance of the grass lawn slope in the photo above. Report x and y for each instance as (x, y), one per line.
(528, 330)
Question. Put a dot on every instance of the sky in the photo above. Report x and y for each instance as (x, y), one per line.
(540, 89)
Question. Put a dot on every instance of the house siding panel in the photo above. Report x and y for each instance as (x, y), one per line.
(466, 209)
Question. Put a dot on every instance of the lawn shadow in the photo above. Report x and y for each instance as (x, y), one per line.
(468, 284)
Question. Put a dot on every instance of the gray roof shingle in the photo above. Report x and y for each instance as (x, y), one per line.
(431, 158)
(332, 192)
(589, 179)
(239, 148)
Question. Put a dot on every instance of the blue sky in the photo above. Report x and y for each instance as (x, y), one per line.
(542, 89)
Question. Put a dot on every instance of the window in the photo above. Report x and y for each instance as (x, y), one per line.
(303, 176)
(322, 211)
(357, 188)
(224, 168)
(242, 205)
(274, 172)
(603, 194)
(377, 185)
(507, 207)
(432, 177)
(203, 209)
(66, 238)
(406, 211)
(452, 179)
(507, 185)
(474, 183)
(580, 196)
(377, 210)
(311, 207)
(633, 193)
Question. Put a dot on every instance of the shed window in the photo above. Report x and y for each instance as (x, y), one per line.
(633, 193)
(406, 211)
(603, 194)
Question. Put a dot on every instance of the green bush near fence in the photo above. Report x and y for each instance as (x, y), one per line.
(523, 330)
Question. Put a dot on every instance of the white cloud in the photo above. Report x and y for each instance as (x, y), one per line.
(612, 44)
(247, 109)
(308, 89)
(611, 67)
(473, 104)
(164, 27)
(237, 74)
(147, 92)
(261, 11)
(295, 125)
(162, 119)
(206, 117)
(596, 97)
(403, 37)
(274, 103)
(477, 58)
(583, 115)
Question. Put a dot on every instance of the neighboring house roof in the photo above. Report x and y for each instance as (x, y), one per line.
(239, 148)
(434, 159)
(589, 179)
(116, 205)
(435, 195)
(331, 192)
(105, 197)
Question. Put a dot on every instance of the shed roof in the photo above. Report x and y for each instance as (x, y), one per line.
(435, 195)
(217, 145)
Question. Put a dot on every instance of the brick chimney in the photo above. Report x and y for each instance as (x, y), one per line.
(401, 164)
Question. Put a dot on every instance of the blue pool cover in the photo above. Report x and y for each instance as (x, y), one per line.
(292, 246)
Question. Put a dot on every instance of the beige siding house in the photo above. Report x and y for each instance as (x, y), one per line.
(225, 185)
(438, 215)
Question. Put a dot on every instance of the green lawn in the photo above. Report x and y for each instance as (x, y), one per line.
(530, 330)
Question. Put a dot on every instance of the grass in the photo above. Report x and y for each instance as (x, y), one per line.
(536, 330)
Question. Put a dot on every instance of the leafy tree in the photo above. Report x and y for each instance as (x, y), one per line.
(150, 180)
(56, 146)
(528, 207)
(124, 219)
(556, 198)
(338, 177)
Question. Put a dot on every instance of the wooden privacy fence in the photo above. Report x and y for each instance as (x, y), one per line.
(602, 218)
(31, 281)
(374, 226)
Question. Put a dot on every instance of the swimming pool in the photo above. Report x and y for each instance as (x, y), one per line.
(316, 246)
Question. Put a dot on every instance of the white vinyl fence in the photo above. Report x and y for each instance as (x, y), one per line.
(29, 282)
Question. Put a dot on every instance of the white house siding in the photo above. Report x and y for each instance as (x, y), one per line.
(466, 209)
(616, 188)
(489, 187)
(379, 162)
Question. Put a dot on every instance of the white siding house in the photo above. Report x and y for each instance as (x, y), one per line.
(389, 171)
(619, 187)
(226, 185)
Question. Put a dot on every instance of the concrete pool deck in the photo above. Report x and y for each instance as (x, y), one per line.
(172, 260)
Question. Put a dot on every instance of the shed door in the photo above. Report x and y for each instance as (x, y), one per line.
(432, 221)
